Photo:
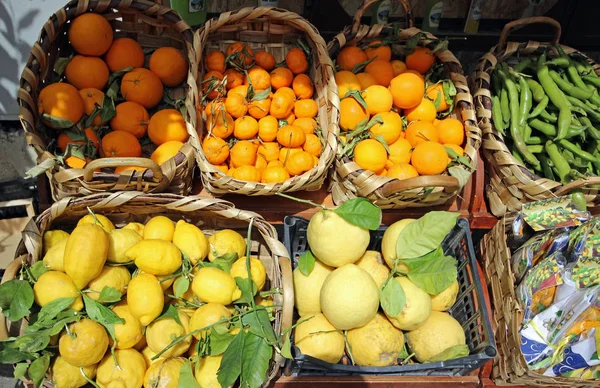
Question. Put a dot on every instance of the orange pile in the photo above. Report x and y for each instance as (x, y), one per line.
(68, 106)
(259, 118)
(377, 99)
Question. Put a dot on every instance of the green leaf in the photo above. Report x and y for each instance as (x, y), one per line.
(52, 309)
(37, 370)
(357, 96)
(306, 263)
(225, 261)
(186, 376)
(16, 298)
(38, 269)
(10, 356)
(20, 370)
(181, 285)
(57, 122)
(248, 288)
(61, 64)
(33, 342)
(109, 295)
(433, 272)
(219, 342)
(360, 212)
(360, 66)
(231, 363)
(449, 91)
(461, 174)
(392, 297)
(260, 324)
(108, 110)
(262, 95)
(101, 314)
(286, 346)
(113, 90)
(256, 357)
(451, 353)
(403, 353)
(57, 326)
(170, 313)
(424, 235)
(381, 139)
(119, 74)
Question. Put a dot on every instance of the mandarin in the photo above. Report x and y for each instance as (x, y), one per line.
(299, 163)
(130, 117)
(235, 105)
(142, 86)
(421, 131)
(312, 145)
(281, 105)
(296, 61)
(212, 84)
(306, 108)
(92, 98)
(259, 78)
(240, 54)
(234, 78)
(215, 61)
(267, 128)
(220, 125)
(60, 100)
(281, 77)
(285, 153)
(124, 53)
(90, 34)
(291, 136)
(243, 153)
(269, 150)
(87, 72)
(302, 86)
(245, 128)
(274, 174)
(121, 144)
(259, 108)
(429, 158)
(215, 149)
(308, 125)
(407, 90)
(247, 173)
(265, 60)
(350, 56)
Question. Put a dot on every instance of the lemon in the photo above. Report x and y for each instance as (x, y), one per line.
(191, 241)
(65, 375)
(267, 303)
(373, 263)
(120, 240)
(84, 344)
(115, 277)
(445, 299)
(156, 257)
(349, 297)
(53, 237)
(307, 289)
(85, 253)
(257, 270)
(328, 347)
(159, 335)
(206, 372)
(148, 355)
(206, 315)
(145, 298)
(141, 344)
(335, 241)
(164, 284)
(159, 228)
(164, 373)
(128, 374)
(226, 241)
(97, 219)
(378, 343)
(53, 285)
(416, 309)
(439, 332)
(128, 334)
(215, 285)
(54, 259)
(135, 226)
(388, 243)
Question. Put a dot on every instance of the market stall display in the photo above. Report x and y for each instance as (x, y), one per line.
(126, 254)
(409, 136)
(538, 107)
(262, 129)
(102, 99)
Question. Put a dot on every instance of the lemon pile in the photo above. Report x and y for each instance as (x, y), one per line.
(339, 301)
(143, 263)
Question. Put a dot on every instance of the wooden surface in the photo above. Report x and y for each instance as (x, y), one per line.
(378, 381)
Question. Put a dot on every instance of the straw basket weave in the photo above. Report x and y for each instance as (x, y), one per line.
(510, 366)
(511, 183)
(152, 26)
(276, 31)
(209, 214)
(350, 181)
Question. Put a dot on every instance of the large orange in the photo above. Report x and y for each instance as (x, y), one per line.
(169, 65)
(220, 125)
(350, 56)
(302, 86)
(433, 92)
(281, 77)
(121, 169)
(90, 34)
(91, 98)
(259, 77)
(121, 144)
(400, 151)
(398, 66)
(390, 129)
(245, 128)
(265, 60)
(267, 128)
(166, 125)
(370, 155)
(407, 90)
(429, 158)
(142, 86)
(378, 99)
(64, 139)
(243, 153)
(62, 101)
(420, 59)
(425, 111)
(87, 72)
(365, 80)
(76, 162)
(291, 136)
(352, 113)
(124, 53)
(378, 50)
(214, 61)
(346, 81)
(306, 108)
(240, 54)
(381, 70)
(296, 61)
(130, 117)
(166, 151)
(418, 132)
(215, 149)
(451, 131)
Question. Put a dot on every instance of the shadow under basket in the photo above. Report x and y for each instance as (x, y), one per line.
(469, 310)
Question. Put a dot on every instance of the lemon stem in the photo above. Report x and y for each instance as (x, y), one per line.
(96, 220)
(87, 378)
(308, 201)
(349, 348)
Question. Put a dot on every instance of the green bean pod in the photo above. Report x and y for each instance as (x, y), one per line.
(555, 95)
(576, 150)
(575, 131)
(519, 67)
(526, 133)
(586, 108)
(574, 76)
(548, 174)
(562, 166)
(564, 122)
(497, 115)
(583, 67)
(539, 108)
(504, 105)
(535, 149)
(579, 201)
(536, 89)
(560, 62)
(569, 88)
(590, 129)
(534, 140)
(545, 128)
(517, 156)
(525, 102)
(595, 81)
(548, 116)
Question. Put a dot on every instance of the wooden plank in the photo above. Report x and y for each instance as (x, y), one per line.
(377, 381)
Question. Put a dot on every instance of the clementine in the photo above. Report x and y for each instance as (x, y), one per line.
(296, 61)
(265, 60)
(92, 98)
(350, 56)
(215, 149)
(418, 132)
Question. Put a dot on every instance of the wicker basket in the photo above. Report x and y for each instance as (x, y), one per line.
(350, 181)
(275, 31)
(510, 366)
(209, 214)
(511, 184)
(152, 26)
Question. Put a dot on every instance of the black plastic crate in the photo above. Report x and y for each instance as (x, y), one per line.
(469, 310)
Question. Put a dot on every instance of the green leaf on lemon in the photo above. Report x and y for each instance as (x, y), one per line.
(306, 263)
(360, 212)
(392, 297)
(425, 234)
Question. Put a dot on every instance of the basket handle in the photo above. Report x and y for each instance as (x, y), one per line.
(449, 183)
(367, 4)
(516, 24)
(566, 189)
(287, 310)
(88, 170)
(9, 274)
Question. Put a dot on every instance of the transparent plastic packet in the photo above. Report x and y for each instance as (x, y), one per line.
(541, 245)
(584, 254)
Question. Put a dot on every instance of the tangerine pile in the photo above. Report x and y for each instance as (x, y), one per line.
(259, 115)
(81, 106)
(379, 96)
